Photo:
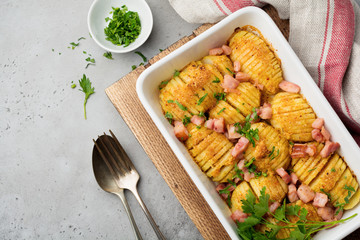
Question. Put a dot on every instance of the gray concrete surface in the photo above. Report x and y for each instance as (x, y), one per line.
(48, 190)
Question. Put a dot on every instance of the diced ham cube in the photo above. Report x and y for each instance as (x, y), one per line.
(318, 123)
(305, 193)
(219, 125)
(284, 175)
(231, 132)
(311, 149)
(326, 213)
(216, 51)
(274, 206)
(339, 215)
(265, 111)
(326, 134)
(292, 193)
(229, 82)
(219, 187)
(329, 148)
(294, 178)
(210, 124)
(241, 164)
(320, 200)
(180, 131)
(247, 175)
(240, 147)
(239, 216)
(197, 120)
(237, 66)
(242, 77)
(299, 150)
(227, 50)
(258, 85)
(289, 87)
(317, 136)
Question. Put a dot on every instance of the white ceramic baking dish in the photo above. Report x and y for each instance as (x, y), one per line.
(294, 71)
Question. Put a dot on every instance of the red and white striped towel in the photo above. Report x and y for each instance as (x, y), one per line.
(322, 33)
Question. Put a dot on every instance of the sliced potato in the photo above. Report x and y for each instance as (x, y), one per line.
(292, 116)
(275, 186)
(239, 194)
(256, 59)
(339, 192)
(271, 151)
(222, 63)
(226, 111)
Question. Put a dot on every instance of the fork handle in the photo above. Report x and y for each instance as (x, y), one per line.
(148, 215)
(121, 195)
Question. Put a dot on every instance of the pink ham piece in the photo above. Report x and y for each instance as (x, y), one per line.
(242, 77)
(180, 131)
(231, 132)
(219, 125)
(258, 85)
(326, 213)
(239, 216)
(210, 124)
(329, 148)
(284, 175)
(274, 206)
(247, 175)
(227, 50)
(320, 200)
(292, 193)
(241, 164)
(339, 215)
(197, 120)
(237, 66)
(311, 149)
(289, 87)
(216, 51)
(317, 136)
(298, 150)
(229, 82)
(265, 111)
(219, 187)
(240, 147)
(305, 193)
(318, 123)
(294, 178)
(326, 134)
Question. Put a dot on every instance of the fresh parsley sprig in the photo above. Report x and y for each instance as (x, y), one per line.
(85, 85)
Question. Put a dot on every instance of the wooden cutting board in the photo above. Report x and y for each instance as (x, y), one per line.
(124, 97)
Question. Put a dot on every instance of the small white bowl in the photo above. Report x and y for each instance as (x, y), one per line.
(100, 9)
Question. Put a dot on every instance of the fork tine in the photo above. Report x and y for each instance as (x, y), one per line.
(119, 169)
(118, 159)
(125, 158)
(106, 161)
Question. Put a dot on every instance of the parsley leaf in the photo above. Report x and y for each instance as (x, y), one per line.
(85, 84)
(186, 120)
(81, 38)
(220, 96)
(176, 73)
(217, 80)
(162, 84)
(169, 117)
(108, 55)
(142, 56)
(92, 60)
(221, 111)
(201, 99)
(124, 26)
(231, 72)
(182, 107)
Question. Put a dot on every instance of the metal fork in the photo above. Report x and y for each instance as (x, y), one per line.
(123, 171)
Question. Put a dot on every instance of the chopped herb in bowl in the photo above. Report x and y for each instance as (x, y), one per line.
(124, 26)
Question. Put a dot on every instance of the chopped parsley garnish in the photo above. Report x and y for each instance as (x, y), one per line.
(198, 127)
(302, 229)
(81, 38)
(248, 163)
(272, 155)
(238, 172)
(220, 96)
(133, 67)
(73, 85)
(170, 101)
(84, 52)
(341, 206)
(85, 85)
(231, 72)
(201, 99)
(238, 110)
(221, 111)
(108, 55)
(182, 107)
(311, 170)
(201, 114)
(52, 50)
(264, 174)
(161, 49)
(217, 80)
(162, 84)
(92, 60)
(169, 117)
(176, 73)
(142, 56)
(186, 120)
(247, 131)
(291, 143)
(124, 26)
(74, 45)
(333, 170)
